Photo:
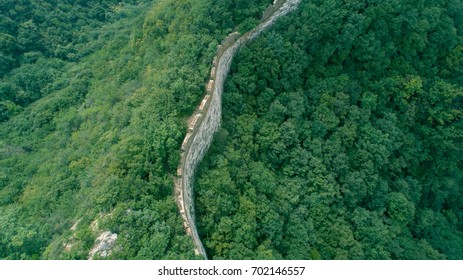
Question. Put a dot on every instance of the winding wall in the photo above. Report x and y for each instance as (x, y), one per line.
(204, 123)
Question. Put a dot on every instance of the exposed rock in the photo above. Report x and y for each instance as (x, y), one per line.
(67, 246)
(74, 226)
(94, 225)
(103, 244)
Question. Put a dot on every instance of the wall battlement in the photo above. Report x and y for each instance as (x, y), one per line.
(206, 120)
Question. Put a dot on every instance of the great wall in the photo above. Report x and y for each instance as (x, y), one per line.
(206, 120)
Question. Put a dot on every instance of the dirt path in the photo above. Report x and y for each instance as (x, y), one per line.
(206, 120)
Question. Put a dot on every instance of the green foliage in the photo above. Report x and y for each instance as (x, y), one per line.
(40, 38)
(92, 110)
(341, 137)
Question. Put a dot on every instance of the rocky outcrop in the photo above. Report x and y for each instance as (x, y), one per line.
(103, 244)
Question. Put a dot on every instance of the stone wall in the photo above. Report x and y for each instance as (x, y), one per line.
(209, 122)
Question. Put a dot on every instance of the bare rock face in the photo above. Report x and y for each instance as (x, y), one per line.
(74, 226)
(67, 246)
(105, 241)
(103, 244)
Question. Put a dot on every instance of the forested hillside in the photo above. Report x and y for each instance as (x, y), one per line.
(342, 137)
(342, 133)
(93, 101)
(38, 37)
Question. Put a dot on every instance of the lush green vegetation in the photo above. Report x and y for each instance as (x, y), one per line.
(342, 134)
(37, 37)
(93, 100)
(342, 137)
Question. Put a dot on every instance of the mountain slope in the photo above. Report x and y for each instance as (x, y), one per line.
(97, 152)
(342, 137)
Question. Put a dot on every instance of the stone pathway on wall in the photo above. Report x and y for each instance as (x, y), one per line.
(206, 120)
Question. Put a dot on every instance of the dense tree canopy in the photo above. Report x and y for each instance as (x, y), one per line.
(342, 137)
(37, 37)
(93, 103)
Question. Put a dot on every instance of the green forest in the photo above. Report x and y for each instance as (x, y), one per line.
(341, 137)
(93, 101)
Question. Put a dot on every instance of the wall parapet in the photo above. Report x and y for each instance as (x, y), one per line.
(206, 119)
